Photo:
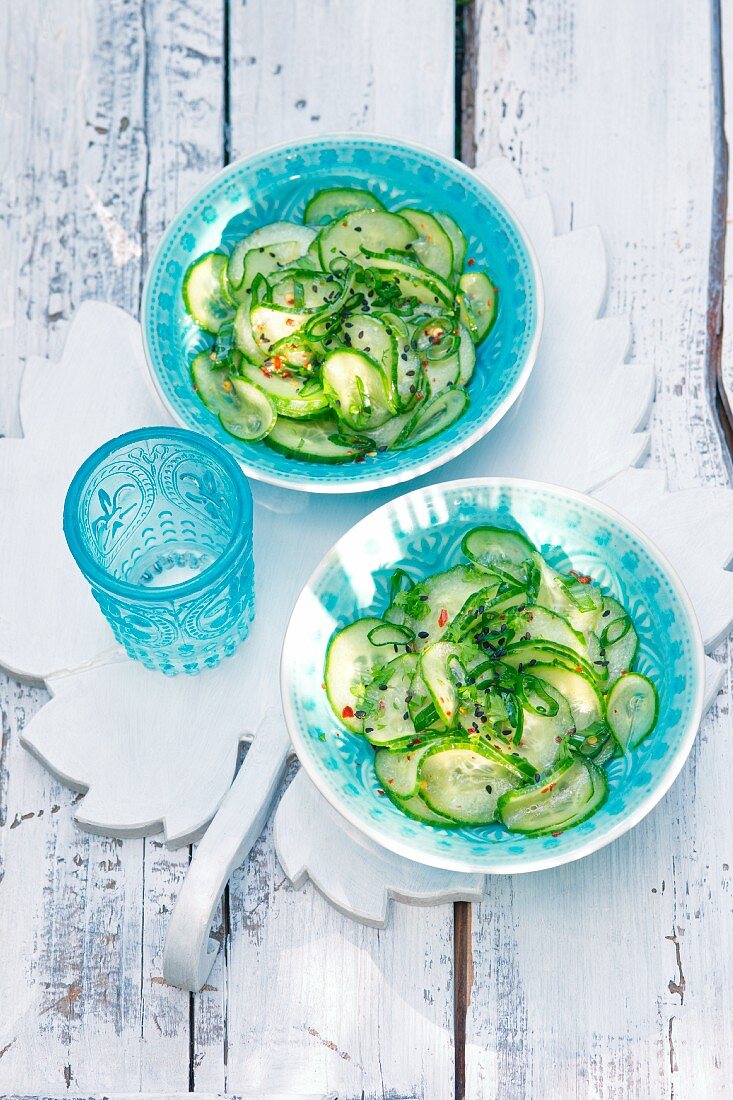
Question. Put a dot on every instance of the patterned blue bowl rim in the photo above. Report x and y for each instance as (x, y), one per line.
(194, 441)
(367, 482)
(523, 864)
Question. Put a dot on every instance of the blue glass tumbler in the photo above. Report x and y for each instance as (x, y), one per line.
(159, 521)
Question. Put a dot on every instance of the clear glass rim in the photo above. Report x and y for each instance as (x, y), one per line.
(97, 574)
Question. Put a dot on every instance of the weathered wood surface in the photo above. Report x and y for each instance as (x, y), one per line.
(110, 116)
(609, 978)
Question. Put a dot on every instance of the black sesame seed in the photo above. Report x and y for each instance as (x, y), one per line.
(360, 714)
(424, 599)
(605, 614)
(423, 634)
(488, 788)
(382, 687)
(405, 716)
(368, 729)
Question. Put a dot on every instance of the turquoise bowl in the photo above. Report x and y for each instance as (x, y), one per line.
(275, 185)
(421, 532)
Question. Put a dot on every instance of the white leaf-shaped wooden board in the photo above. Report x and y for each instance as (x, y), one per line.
(154, 753)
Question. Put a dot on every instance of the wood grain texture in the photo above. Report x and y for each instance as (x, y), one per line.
(609, 111)
(112, 116)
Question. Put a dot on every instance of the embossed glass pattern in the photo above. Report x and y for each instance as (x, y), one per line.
(159, 521)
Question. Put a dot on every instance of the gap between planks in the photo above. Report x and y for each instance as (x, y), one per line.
(718, 398)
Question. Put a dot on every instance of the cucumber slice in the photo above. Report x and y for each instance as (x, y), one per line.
(433, 246)
(489, 546)
(275, 233)
(357, 390)
(391, 634)
(306, 291)
(524, 653)
(268, 260)
(457, 240)
(204, 292)
(466, 357)
(407, 374)
(298, 354)
(570, 795)
(463, 781)
(543, 735)
(273, 323)
(317, 440)
(545, 626)
(580, 603)
(632, 709)
(416, 808)
(444, 595)
(613, 649)
(387, 718)
(580, 692)
(243, 335)
(290, 395)
(250, 414)
(350, 661)
(436, 674)
(413, 281)
(383, 437)
(370, 335)
(433, 417)
(442, 376)
(243, 410)
(397, 771)
(363, 229)
(334, 202)
(481, 298)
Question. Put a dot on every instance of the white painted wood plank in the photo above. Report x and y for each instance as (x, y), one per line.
(317, 1004)
(726, 371)
(112, 116)
(609, 111)
(335, 65)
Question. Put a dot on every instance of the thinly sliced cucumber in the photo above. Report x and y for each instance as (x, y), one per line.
(391, 634)
(442, 375)
(463, 780)
(334, 202)
(204, 292)
(290, 395)
(275, 233)
(632, 709)
(435, 672)
(363, 229)
(407, 375)
(614, 646)
(444, 595)
(357, 390)
(457, 240)
(489, 546)
(544, 735)
(273, 323)
(542, 625)
(481, 296)
(243, 335)
(250, 414)
(350, 661)
(413, 281)
(397, 771)
(370, 336)
(387, 718)
(243, 410)
(466, 357)
(433, 246)
(383, 437)
(525, 653)
(298, 354)
(417, 809)
(580, 602)
(317, 440)
(570, 795)
(433, 417)
(302, 290)
(268, 260)
(582, 695)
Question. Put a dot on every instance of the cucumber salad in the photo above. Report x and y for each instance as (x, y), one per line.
(348, 335)
(495, 691)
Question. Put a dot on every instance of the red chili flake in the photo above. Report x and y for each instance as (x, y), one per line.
(390, 782)
(559, 833)
(379, 790)
(471, 262)
(277, 362)
(443, 617)
(549, 787)
(584, 580)
(266, 371)
(419, 395)
(578, 668)
(286, 374)
(323, 686)
(347, 712)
